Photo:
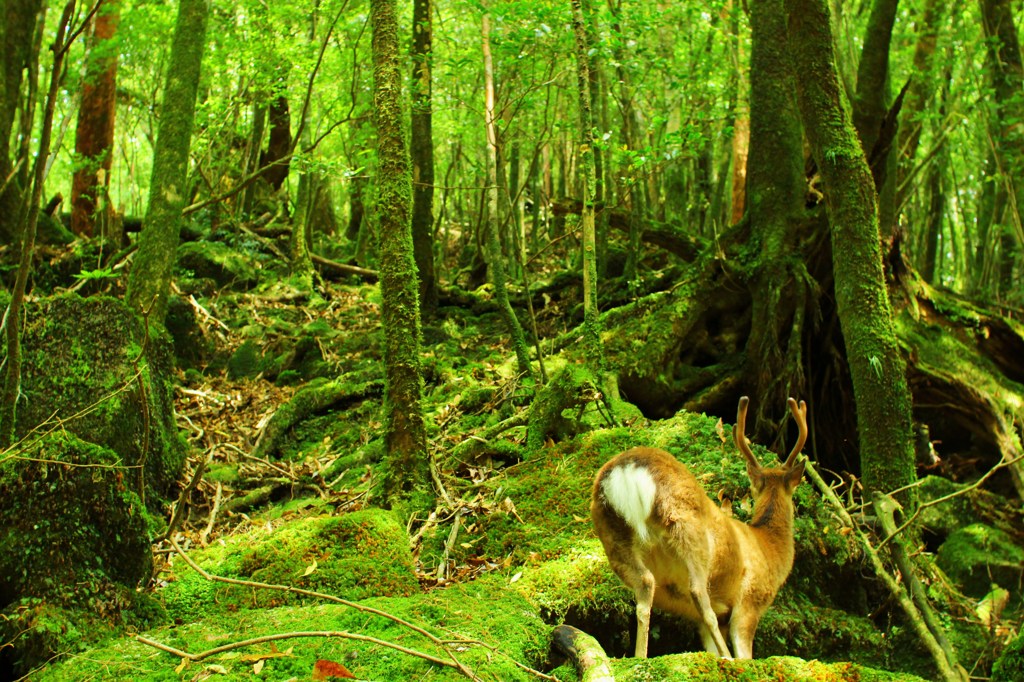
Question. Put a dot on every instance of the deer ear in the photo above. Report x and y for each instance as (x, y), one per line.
(794, 475)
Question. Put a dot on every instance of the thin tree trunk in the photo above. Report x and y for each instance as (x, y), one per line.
(17, 25)
(150, 280)
(94, 136)
(1006, 124)
(252, 159)
(408, 479)
(865, 314)
(922, 87)
(422, 148)
(496, 263)
(29, 214)
(872, 102)
(592, 346)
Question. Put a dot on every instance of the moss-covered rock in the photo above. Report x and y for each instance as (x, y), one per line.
(90, 367)
(978, 555)
(76, 545)
(353, 556)
(492, 629)
(219, 262)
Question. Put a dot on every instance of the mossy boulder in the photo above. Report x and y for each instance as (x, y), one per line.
(353, 556)
(76, 545)
(213, 260)
(978, 555)
(90, 367)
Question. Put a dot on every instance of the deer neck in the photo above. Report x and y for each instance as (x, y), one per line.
(772, 525)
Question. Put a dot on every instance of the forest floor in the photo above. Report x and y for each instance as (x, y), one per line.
(285, 566)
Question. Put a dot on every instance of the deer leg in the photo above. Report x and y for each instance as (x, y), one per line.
(709, 621)
(742, 625)
(644, 593)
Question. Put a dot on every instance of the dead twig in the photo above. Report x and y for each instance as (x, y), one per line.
(292, 635)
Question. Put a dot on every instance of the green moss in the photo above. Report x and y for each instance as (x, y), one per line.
(1010, 665)
(977, 556)
(482, 611)
(69, 508)
(704, 667)
(352, 556)
(90, 363)
(247, 361)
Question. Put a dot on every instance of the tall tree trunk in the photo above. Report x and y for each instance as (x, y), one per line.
(1006, 125)
(422, 148)
(408, 480)
(592, 346)
(775, 203)
(633, 179)
(94, 135)
(865, 314)
(496, 262)
(150, 280)
(252, 157)
(922, 87)
(17, 25)
(740, 144)
(30, 214)
(279, 144)
(872, 102)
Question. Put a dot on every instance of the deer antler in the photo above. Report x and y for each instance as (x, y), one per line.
(740, 433)
(800, 415)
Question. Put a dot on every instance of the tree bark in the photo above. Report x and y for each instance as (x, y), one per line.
(279, 144)
(495, 258)
(29, 214)
(422, 149)
(876, 364)
(17, 25)
(150, 280)
(775, 203)
(94, 135)
(872, 103)
(405, 435)
(1006, 123)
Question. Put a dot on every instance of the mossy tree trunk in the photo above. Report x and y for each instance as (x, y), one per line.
(94, 134)
(775, 206)
(592, 346)
(405, 435)
(872, 102)
(17, 25)
(876, 365)
(1006, 122)
(30, 215)
(150, 280)
(495, 257)
(422, 148)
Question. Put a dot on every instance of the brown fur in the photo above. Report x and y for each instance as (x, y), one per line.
(699, 562)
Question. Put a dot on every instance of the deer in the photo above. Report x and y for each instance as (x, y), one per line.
(680, 551)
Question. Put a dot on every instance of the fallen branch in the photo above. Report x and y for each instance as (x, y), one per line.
(946, 671)
(344, 268)
(293, 635)
(584, 652)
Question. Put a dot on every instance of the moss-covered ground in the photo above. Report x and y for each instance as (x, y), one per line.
(507, 554)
